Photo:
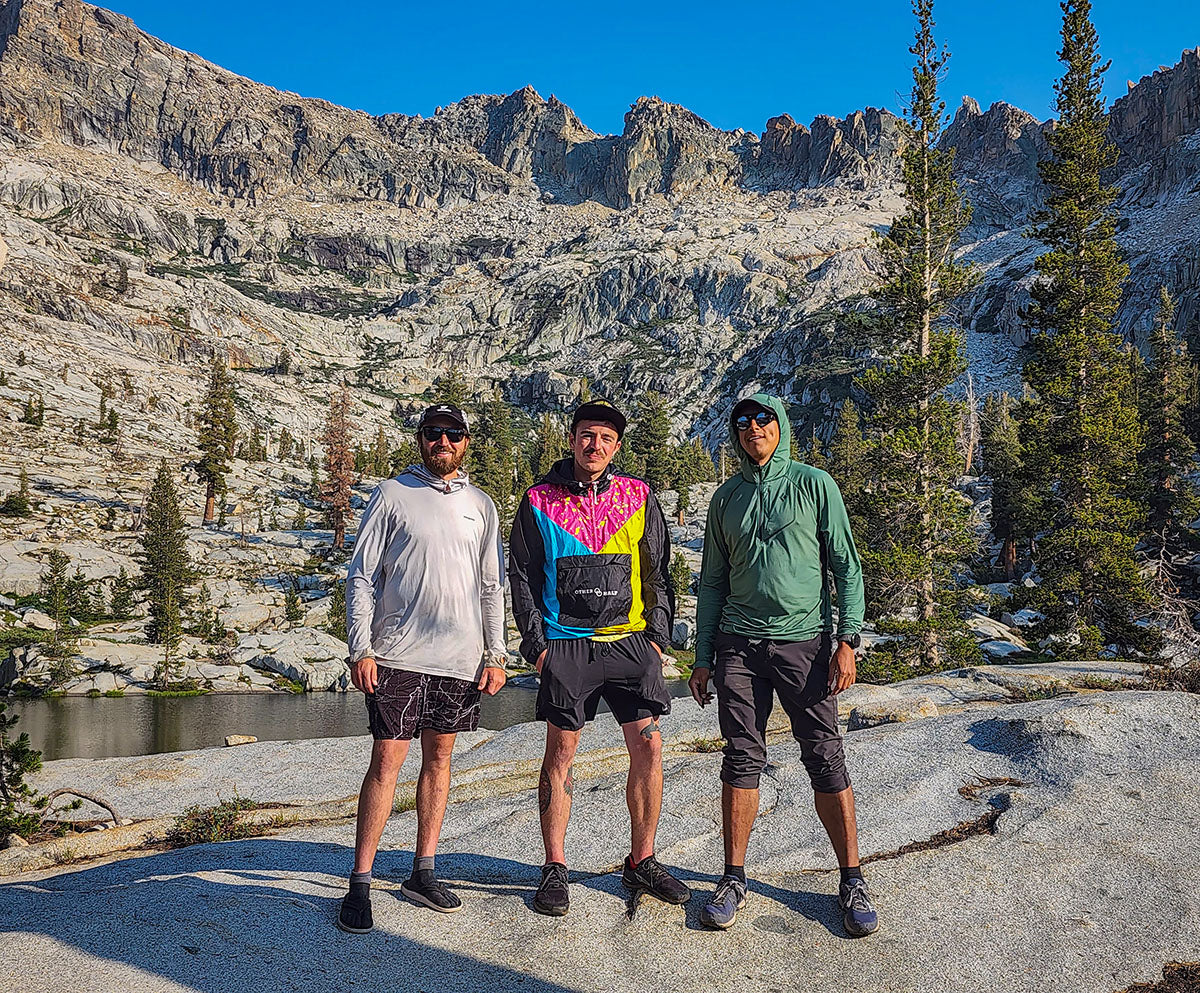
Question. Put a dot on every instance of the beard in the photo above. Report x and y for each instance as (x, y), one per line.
(444, 462)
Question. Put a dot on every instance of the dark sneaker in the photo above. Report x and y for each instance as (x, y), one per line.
(552, 897)
(425, 888)
(722, 909)
(356, 910)
(858, 913)
(650, 877)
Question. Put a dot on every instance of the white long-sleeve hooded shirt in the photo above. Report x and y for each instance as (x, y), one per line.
(425, 588)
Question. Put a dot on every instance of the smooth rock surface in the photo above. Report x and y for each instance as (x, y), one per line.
(1080, 888)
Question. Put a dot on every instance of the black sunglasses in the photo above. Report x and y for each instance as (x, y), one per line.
(762, 419)
(433, 433)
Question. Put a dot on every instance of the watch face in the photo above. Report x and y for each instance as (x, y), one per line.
(853, 640)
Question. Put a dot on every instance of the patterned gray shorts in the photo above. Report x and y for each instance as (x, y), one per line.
(406, 703)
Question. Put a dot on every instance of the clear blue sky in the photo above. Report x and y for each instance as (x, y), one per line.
(733, 64)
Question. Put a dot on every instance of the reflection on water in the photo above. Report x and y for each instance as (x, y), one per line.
(70, 727)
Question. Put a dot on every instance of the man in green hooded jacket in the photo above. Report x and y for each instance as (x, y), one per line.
(765, 625)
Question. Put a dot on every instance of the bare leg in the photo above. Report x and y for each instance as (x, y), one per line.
(643, 788)
(375, 800)
(555, 786)
(836, 811)
(433, 788)
(739, 808)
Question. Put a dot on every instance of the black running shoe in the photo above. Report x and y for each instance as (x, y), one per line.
(425, 888)
(650, 877)
(356, 910)
(552, 897)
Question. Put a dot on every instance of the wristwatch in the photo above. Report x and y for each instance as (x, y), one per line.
(853, 640)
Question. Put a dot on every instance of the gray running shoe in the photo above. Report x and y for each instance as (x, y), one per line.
(425, 888)
(722, 909)
(553, 896)
(858, 913)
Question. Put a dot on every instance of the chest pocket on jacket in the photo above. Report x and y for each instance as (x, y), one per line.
(594, 591)
(779, 514)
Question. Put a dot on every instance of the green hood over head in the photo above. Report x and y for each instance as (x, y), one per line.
(778, 462)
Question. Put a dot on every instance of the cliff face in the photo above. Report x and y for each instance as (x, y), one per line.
(179, 208)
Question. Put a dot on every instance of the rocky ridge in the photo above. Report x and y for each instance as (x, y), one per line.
(155, 208)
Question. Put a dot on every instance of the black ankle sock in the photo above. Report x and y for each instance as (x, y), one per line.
(853, 872)
(738, 871)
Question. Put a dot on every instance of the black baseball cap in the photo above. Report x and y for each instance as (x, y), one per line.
(599, 411)
(749, 405)
(447, 410)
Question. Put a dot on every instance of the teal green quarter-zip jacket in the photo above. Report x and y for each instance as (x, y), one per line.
(772, 532)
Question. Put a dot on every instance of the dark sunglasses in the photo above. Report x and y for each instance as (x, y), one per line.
(762, 419)
(454, 435)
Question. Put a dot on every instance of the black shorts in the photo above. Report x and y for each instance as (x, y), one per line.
(747, 675)
(406, 703)
(577, 673)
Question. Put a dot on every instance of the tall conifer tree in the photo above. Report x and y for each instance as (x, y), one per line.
(1168, 456)
(339, 464)
(165, 567)
(1080, 431)
(918, 526)
(216, 432)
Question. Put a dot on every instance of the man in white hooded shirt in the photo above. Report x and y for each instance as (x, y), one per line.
(425, 626)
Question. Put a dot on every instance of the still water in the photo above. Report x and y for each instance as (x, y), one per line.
(71, 727)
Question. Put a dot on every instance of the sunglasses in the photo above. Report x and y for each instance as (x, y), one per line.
(453, 435)
(762, 419)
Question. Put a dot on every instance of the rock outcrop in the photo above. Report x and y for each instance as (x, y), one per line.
(978, 829)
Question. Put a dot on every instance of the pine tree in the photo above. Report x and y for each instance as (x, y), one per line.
(286, 443)
(54, 592)
(650, 441)
(684, 505)
(339, 464)
(1080, 433)
(216, 433)
(165, 566)
(492, 454)
(815, 454)
(300, 521)
(380, 465)
(919, 531)
(121, 604)
(336, 625)
(404, 456)
(293, 612)
(17, 504)
(1013, 510)
(79, 597)
(1168, 456)
(314, 482)
(20, 807)
(549, 446)
(452, 388)
(283, 364)
(681, 575)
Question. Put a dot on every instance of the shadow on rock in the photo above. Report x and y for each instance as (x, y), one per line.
(256, 915)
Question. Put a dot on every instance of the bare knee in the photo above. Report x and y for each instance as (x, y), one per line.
(560, 750)
(644, 743)
(386, 759)
(436, 750)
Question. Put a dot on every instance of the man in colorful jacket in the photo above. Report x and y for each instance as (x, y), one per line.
(764, 625)
(591, 595)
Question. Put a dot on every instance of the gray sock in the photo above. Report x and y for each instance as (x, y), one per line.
(360, 877)
(423, 863)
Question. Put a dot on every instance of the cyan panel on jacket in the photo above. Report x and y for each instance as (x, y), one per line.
(593, 582)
